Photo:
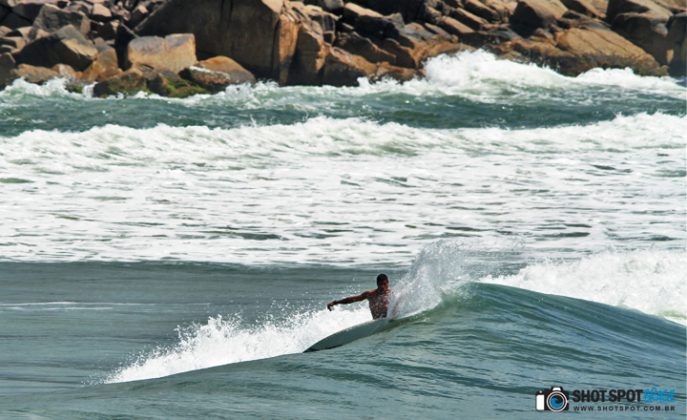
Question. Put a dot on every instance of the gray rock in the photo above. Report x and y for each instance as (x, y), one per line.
(14, 21)
(29, 9)
(65, 46)
(51, 18)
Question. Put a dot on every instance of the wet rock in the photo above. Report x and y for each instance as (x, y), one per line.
(172, 53)
(66, 46)
(34, 74)
(215, 74)
(576, 50)
(128, 83)
(342, 68)
(172, 85)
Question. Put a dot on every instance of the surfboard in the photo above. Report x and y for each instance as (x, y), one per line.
(351, 334)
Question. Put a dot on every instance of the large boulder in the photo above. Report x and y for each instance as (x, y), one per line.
(411, 10)
(259, 34)
(29, 9)
(342, 68)
(128, 83)
(480, 9)
(14, 21)
(454, 27)
(7, 65)
(34, 74)
(172, 53)
(584, 7)
(646, 32)
(172, 85)
(618, 7)
(51, 18)
(576, 50)
(677, 36)
(359, 45)
(66, 46)
(644, 23)
(215, 74)
(532, 14)
(309, 58)
(103, 67)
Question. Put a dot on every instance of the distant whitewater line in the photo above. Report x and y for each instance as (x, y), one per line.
(476, 75)
(198, 193)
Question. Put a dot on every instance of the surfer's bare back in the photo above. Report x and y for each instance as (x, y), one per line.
(377, 298)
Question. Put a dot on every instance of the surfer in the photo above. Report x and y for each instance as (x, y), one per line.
(377, 298)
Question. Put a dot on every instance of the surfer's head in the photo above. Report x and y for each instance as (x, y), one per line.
(382, 281)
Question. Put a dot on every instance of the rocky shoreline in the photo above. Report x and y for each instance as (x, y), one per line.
(178, 48)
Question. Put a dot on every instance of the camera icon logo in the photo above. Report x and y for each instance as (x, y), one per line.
(555, 399)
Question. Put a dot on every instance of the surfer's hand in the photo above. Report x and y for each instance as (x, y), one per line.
(330, 304)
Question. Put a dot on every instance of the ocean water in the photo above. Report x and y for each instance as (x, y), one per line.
(171, 258)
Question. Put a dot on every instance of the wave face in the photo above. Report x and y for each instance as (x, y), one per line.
(446, 274)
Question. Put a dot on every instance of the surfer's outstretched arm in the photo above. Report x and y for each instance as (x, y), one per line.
(347, 300)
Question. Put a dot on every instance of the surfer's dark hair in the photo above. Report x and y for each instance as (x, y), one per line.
(381, 278)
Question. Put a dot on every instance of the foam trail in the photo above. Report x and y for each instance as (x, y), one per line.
(224, 341)
(653, 282)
